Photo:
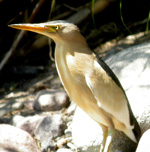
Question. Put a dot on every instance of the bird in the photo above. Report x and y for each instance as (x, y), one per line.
(88, 80)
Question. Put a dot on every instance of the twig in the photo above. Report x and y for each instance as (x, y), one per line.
(20, 36)
(52, 7)
(84, 12)
(72, 8)
(63, 15)
(12, 49)
(36, 9)
(51, 51)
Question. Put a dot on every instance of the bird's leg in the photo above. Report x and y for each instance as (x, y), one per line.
(107, 138)
(105, 134)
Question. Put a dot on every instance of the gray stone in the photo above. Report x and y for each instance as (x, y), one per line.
(28, 124)
(144, 145)
(44, 128)
(48, 129)
(13, 139)
(132, 67)
(71, 108)
(53, 100)
(28, 105)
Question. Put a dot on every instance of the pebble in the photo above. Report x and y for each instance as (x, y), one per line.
(48, 129)
(51, 100)
(64, 150)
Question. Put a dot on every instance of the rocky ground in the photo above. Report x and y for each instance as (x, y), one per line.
(42, 108)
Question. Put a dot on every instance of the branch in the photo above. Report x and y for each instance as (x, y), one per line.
(20, 35)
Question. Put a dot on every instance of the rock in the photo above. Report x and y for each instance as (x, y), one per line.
(132, 67)
(44, 128)
(86, 132)
(71, 108)
(17, 105)
(28, 124)
(47, 100)
(5, 120)
(144, 145)
(29, 105)
(64, 150)
(48, 129)
(15, 139)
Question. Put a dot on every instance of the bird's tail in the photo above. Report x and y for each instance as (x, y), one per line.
(136, 128)
(132, 133)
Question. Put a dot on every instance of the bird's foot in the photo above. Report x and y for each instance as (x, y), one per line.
(107, 139)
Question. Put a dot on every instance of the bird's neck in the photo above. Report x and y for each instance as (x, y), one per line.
(65, 55)
(61, 52)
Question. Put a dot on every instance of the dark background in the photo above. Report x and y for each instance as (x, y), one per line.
(28, 60)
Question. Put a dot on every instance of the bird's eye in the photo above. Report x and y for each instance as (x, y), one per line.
(57, 27)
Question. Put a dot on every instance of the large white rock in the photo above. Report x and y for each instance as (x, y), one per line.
(144, 145)
(16, 140)
(132, 67)
(86, 132)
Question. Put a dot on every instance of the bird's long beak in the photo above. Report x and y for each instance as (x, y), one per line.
(37, 28)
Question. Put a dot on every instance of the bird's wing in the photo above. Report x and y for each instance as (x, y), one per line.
(109, 93)
(108, 71)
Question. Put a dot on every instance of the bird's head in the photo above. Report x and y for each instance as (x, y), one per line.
(59, 31)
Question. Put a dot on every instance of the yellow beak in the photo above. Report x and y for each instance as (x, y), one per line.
(41, 28)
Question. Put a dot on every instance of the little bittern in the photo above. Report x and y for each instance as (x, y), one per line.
(89, 82)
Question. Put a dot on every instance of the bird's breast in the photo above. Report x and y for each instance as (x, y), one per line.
(72, 68)
(76, 70)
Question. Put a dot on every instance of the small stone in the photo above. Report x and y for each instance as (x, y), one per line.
(64, 150)
(48, 129)
(29, 105)
(17, 105)
(28, 124)
(68, 132)
(47, 100)
(71, 108)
